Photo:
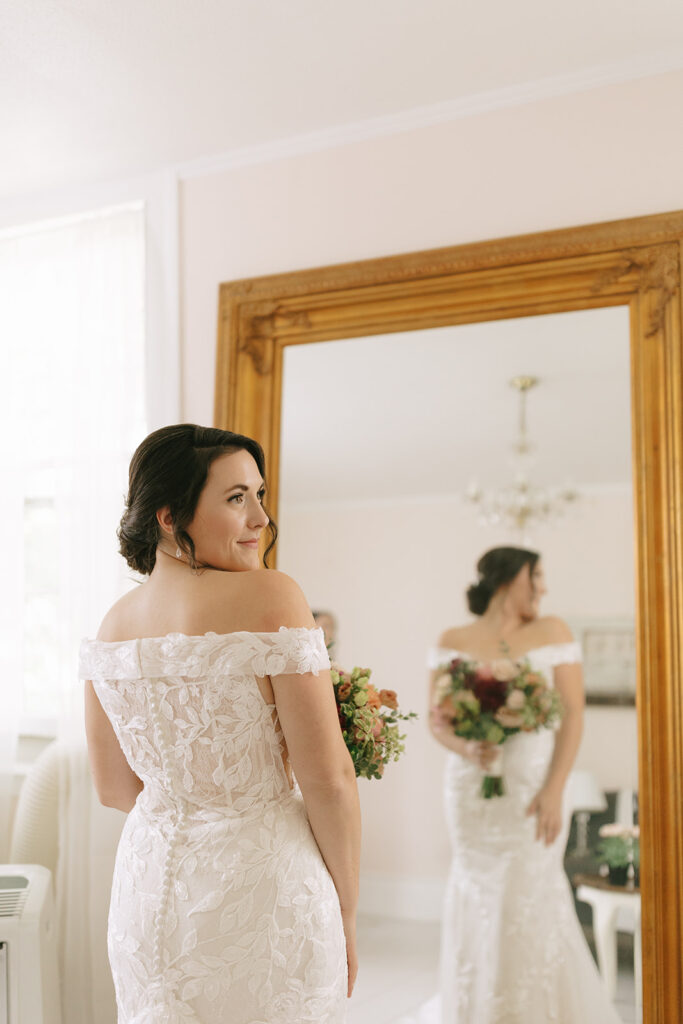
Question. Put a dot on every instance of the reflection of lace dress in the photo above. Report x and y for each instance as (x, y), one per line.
(512, 948)
(222, 908)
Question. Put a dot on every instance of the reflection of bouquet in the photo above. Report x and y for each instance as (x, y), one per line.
(493, 701)
(371, 735)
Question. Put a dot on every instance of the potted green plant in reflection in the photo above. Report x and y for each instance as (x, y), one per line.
(619, 847)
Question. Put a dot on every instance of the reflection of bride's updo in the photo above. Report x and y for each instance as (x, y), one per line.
(496, 568)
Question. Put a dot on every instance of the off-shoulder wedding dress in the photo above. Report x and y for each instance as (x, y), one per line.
(222, 908)
(512, 948)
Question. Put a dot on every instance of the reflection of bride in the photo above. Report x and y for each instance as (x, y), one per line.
(512, 948)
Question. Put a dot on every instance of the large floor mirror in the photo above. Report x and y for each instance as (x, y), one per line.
(390, 397)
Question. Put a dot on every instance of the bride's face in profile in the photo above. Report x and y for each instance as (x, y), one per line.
(229, 517)
(527, 589)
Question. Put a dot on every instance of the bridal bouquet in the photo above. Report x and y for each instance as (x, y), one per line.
(370, 733)
(493, 701)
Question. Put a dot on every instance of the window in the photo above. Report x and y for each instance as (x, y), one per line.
(72, 329)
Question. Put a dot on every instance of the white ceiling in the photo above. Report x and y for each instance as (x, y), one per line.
(93, 90)
(424, 412)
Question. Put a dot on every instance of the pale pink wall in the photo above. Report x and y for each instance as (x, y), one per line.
(606, 153)
(396, 580)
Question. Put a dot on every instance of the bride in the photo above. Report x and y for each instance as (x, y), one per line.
(512, 948)
(208, 690)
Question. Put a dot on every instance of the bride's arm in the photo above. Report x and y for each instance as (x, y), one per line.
(307, 712)
(547, 804)
(116, 783)
(569, 684)
(439, 725)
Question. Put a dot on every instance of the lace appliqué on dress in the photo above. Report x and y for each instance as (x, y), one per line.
(222, 907)
(512, 948)
(287, 651)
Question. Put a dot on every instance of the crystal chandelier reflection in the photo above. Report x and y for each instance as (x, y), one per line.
(519, 505)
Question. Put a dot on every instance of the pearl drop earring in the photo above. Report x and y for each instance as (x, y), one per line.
(178, 553)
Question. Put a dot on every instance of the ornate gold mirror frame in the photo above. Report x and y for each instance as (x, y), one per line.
(635, 263)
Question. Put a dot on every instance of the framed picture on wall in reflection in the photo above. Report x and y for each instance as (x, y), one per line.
(609, 660)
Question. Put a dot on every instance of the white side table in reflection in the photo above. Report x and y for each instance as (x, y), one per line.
(607, 901)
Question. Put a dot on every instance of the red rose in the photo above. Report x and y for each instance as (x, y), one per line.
(489, 691)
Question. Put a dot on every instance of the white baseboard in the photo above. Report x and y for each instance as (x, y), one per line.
(402, 896)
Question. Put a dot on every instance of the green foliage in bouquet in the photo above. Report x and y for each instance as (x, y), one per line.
(371, 734)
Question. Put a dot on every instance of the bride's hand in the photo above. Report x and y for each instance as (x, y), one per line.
(349, 922)
(440, 721)
(481, 753)
(547, 806)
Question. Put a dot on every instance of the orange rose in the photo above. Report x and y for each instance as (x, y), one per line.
(389, 699)
(374, 700)
(343, 691)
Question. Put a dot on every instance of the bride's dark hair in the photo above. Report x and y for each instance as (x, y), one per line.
(171, 467)
(496, 568)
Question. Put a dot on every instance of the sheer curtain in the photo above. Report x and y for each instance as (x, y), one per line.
(72, 324)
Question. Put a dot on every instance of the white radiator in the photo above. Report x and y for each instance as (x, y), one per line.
(29, 982)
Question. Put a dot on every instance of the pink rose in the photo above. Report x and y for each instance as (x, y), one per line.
(504, 670)
(515, 700)
(509, 719)
(447, 708)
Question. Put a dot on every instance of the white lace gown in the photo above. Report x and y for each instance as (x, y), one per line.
(512, 948)
(222, 909)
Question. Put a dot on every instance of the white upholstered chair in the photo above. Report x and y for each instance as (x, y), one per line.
(60, 823)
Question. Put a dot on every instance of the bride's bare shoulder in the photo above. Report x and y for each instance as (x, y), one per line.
(551, 629)
(268, 598)
(455, 638)
(115, 623)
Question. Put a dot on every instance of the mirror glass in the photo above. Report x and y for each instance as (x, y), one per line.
(385, 440)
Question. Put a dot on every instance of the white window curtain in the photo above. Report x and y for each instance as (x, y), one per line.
(72, 330)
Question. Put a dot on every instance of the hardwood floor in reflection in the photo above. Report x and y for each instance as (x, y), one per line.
(398, 971)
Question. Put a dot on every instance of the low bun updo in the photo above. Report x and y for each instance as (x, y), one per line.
(478, 597)
(170, 468)
(496, 568)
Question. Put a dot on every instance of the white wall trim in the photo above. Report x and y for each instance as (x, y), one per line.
(436, 113)
(403, 897)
